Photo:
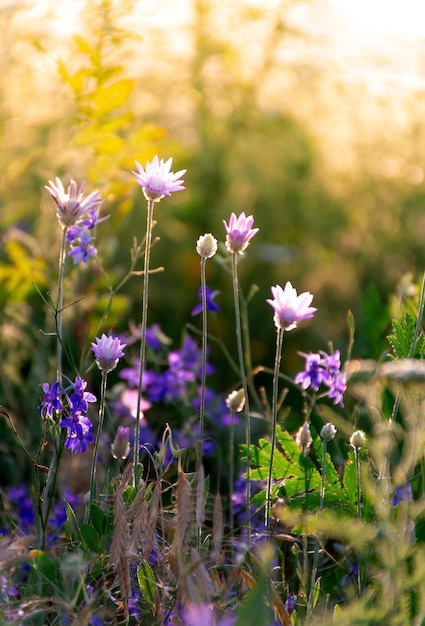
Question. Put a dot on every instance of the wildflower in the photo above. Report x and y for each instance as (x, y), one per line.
(402, 494)
(206, 246)
(120, 447)
(328, 432)
(278, 508)
(239, 232)
(51, 401)
(235, 401)
(70, 207)
(107, 351)
(79, 398)
(212, 307)
(77, 441)
(358, 439)
(290, 308)
(322, 368)
(156, 179)
(304, 438)
(82, 247)
(7, 590)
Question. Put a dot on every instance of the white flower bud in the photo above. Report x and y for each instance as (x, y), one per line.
(235, 401)
(328, 432)
(358, 439)
(304, 438)
(206, 246)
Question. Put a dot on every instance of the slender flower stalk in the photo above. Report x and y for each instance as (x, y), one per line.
(206, 247)
(327, 433)
(357, 441)
(235, 402)
(289, 308)
(239, 233)
(278, 357)
(156, 181)
(107, 352)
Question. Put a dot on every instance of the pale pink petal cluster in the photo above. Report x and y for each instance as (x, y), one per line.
(108, 350)
(157, 180)
(71, 206)
(290, 308)
(239, 232)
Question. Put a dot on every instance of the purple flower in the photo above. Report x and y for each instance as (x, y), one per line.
(70, 207)
(80, 398)
(7, 590)
(402, 494)
(51, 400)
(289, 308)
(239, 232)
(120, 447)
(212, 307)
(156, 179)
(79, 435)
(107, 351)
(81, 248)
(322, 368)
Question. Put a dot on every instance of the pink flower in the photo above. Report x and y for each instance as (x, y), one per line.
(156, 179)
(239, 232)
(289, 308)
(107, 352)
(70, 207)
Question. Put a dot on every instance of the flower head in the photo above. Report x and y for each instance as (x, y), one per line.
(239, 232)
(120, 447)
(107, 351)
(206, 246)
(304, 438)
(156, 179)
(322, 368)
(51, 401)
(235, 401)
(71, 206)
(212, 307)
(289, 308)
(357, 439)
(328, 432)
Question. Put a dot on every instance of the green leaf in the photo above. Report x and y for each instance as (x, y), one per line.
(98, 519)
(72, 528)
(401, 339)
(45, 565)
(90, 538)
(146, 580)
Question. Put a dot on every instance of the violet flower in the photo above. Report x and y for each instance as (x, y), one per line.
(212, 307)
(71, 206)
(156, 179)
(79, 398)
(239, 232)
(322, 368)
(51, 401)
(107, 351)
(290, 308)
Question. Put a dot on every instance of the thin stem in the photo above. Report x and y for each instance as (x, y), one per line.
(278, 356)
(143, 336)
(310, 606)
(58, 440)
(203, 364)
(359, 569)
(231, 473)
(93, 487)
(245, 389)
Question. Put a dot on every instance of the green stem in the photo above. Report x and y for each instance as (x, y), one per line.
(231, 474)
(203, 364)
(359, 575)
(278, 356)
(93, 486)
(310, 604)
(143, 336)
(58, 439)
(245, 389)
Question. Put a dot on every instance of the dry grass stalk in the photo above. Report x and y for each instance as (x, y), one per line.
(183, 514)
(151, 526)
(217, 530)
(203, 579)
(200, 503)
(138, 515)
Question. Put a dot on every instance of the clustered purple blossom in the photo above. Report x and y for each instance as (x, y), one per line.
(324, 369)
(70, 207)
(73, 408)
(108, 350)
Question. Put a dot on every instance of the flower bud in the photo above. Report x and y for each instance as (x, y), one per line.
(328, 432)
(206, 246)
(235, 401)
(120, 447)
(304, 438)
(358, 439)
(278, 508)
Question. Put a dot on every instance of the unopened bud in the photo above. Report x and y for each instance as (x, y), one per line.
(304, 438)
(278, 508)
(235, 401)
(328, 432)
(358, 439)
(206, 246)
(120, 447)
